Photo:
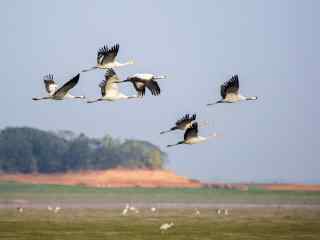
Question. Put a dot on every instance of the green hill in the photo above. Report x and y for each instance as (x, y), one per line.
(29, 150)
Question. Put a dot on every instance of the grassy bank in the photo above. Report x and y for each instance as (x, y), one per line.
(108, 224)
(10, 191)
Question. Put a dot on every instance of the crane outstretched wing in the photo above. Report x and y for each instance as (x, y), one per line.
(140, 81)
(191, 131)
(109, 83)
(186, 119)
(154, 88)
(230, 87)
(62, 91)
(140, 88)
(106, 55)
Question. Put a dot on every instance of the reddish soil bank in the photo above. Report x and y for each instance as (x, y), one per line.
(142, 178)
(108, 178)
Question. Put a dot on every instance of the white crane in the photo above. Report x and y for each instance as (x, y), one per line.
(183, 123)
(132, 208)
(61, 93)
(191, 136)
(153, 209)
(125, 210)
(197, 212)
(142, 80)
(110, 89)
(106, 58)
(226, 211)
(219, 211)
(49, 208)
(164, 227)
(20, 209)
(229, 92)
(57, 209)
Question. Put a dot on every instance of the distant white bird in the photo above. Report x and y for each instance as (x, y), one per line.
(61, 93)
(49, 208)
(153, 209)
(229, 92)
(164, 227)
(106, 58)
(219, 211)
(191, 136)
(226, 212)
(142, 80)
(197, 212)
(110, 89)
(125, 210)
(20, 209)
(182, 124)
(57, 209)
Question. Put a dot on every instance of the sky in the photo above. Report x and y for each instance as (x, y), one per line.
(272, 45)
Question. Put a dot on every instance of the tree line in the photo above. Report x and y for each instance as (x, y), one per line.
(30, 150)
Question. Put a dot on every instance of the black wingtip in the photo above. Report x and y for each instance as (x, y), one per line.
(116, 47)
(48, 77)
(76, 77)
(194, 125)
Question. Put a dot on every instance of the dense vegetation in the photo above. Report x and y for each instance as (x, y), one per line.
(30, 150)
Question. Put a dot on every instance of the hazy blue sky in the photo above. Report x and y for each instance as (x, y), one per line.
(272, 45)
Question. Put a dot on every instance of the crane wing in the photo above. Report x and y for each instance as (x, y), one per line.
(153, 86)
(186, 119)
(106, 55)
(139, 87)
(62, 91)
(230, 87)
(109, 83)
(191, 131)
